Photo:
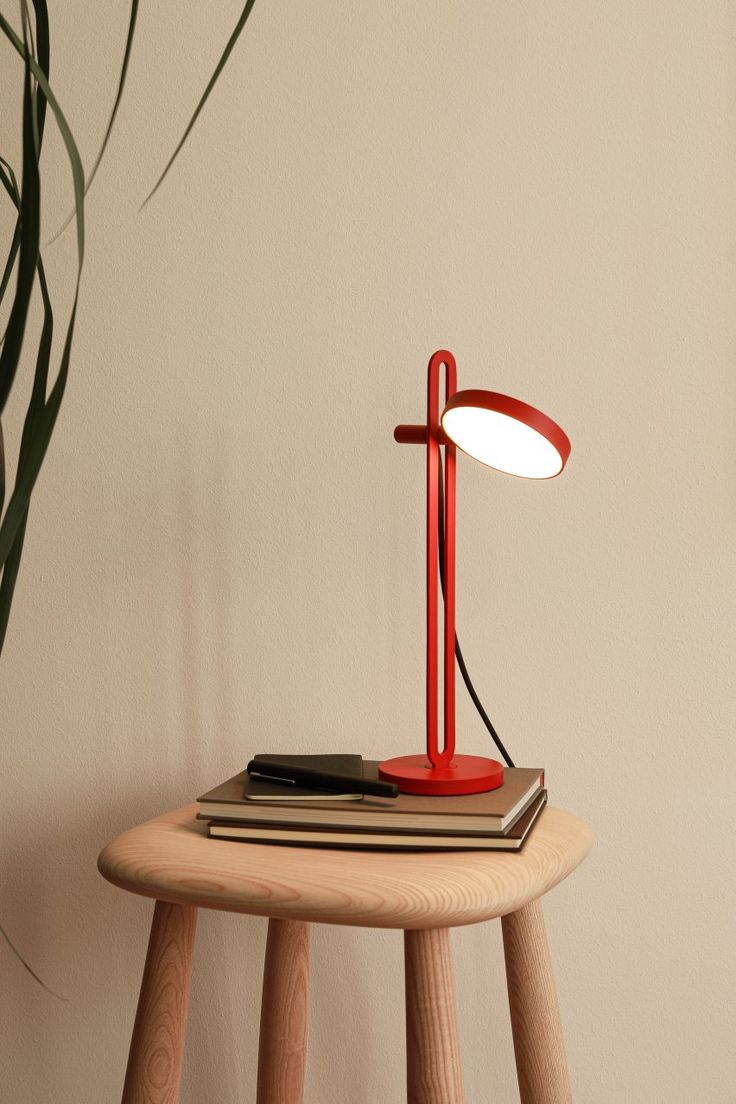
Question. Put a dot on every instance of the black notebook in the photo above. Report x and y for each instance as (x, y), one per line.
(258, 790)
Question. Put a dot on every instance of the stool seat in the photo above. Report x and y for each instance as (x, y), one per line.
(172, 859)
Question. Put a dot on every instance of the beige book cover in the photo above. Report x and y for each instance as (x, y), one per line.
(299, 836)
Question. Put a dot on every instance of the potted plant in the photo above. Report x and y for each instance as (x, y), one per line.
(23, 273)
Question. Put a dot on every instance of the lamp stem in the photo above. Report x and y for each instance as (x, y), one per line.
(440, 757)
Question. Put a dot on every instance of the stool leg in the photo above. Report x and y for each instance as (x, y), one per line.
(535, 1017)
(433, 1072)
(282, 1047)
(157, 1045)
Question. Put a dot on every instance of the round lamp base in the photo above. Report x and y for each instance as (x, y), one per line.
(466, 774)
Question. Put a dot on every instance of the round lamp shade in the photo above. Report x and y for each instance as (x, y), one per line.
(506, 434)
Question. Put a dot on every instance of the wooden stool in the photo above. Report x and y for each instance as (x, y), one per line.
(424, 893)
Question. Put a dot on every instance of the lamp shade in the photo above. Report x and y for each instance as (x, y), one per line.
(506, 434)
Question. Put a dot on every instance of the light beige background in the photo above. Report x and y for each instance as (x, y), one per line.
(224, 553)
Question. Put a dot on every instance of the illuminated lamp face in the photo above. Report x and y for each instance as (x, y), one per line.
(506, 434)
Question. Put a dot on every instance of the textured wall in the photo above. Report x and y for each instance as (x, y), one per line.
(224, 553)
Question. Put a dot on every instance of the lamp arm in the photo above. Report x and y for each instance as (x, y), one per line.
(417, 435)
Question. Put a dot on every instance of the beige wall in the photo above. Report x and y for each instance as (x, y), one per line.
(224, 553)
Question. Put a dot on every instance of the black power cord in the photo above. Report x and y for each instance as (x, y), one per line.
(458, 653)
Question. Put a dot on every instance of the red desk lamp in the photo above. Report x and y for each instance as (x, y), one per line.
(512, 437)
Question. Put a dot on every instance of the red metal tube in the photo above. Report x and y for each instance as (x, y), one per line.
(411, 434)
(437, 757)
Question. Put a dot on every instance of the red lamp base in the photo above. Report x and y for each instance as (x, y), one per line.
(467, 774)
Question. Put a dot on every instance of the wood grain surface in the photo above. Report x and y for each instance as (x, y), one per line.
(535, 1018)
(172, 858)
(433, 1071)
(157, 1045)
(282, 1047)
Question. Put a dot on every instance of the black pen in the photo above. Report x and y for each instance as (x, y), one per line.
(320, 780)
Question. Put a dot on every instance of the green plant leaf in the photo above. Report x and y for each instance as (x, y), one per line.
(10, 262)
(43, 53)
(2, 473)
(23, 963)
(32, 455)
(30, 462)
(75, 160)
(35, 105)
(211, 84)
(30, 218)
(8, 581)
(9, 181)
(40, 380)
(35, 406)
(7, 178)
(27, 203)
(108, 131)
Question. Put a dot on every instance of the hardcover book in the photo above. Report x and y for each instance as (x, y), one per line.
(381, 839)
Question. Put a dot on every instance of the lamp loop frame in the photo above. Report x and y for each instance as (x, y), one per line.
(440, 771)
(440, 757)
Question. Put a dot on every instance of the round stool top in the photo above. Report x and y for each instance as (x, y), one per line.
(172, 858)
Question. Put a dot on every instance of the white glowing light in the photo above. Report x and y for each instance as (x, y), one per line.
(502, 442)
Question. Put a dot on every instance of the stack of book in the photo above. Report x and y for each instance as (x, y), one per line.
(245, 808)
